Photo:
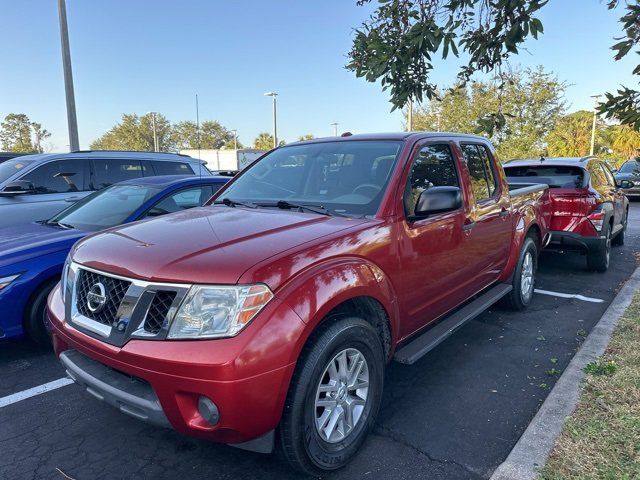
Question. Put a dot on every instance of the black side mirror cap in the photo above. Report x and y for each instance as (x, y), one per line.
(438, 200)
(19, 187)
(625, 184)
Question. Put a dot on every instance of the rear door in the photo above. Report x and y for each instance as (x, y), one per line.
(617, 196)
(55, 184)
(488, 230)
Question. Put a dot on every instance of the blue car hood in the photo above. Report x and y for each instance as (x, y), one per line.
(30, 240)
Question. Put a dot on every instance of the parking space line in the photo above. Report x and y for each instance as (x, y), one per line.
(569, 295)
(32, 392)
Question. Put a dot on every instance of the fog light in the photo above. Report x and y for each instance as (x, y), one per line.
(208, 410)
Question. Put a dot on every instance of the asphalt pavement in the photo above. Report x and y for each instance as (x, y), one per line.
(455, 414)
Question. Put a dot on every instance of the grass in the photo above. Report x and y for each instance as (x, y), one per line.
(601, 440)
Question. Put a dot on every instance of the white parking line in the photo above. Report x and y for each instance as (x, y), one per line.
(569, 295)
(32, 392)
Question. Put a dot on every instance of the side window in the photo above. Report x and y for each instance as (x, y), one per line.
(106, 172)
(598, 178)
(609, 176)
(182, 200)
(488, 167)
(147, 168)
(60, 176)
(172, 168)
(477, 171)
(433, 167)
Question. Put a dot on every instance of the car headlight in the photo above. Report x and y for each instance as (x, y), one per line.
(5, 281)
(218, 311)
(64, 282)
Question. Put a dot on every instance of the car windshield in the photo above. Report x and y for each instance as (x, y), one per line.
(556, 176)
(632, 166)
(105, 208)
(13, 166)
(336, 178)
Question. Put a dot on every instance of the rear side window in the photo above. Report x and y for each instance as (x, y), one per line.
(598, 178)
(172, 168)
(59, 176)
(483, 181)
(433, 167)
(609, 176)
(556, 176)
(106, 172)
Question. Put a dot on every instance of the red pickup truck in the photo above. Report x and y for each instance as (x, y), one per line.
(265, 320)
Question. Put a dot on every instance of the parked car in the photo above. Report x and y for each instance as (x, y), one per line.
(32, 255)
(630, 172)
(588, 211)
(266, 319)
(36, 187)
(4, 156)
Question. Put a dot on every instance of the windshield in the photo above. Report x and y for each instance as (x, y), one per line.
(344, 178)
(13, 166)
(556, 176)
(106, 208)
(632, 166)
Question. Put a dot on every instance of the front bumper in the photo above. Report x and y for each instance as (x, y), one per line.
(561, 240)
(163, 382)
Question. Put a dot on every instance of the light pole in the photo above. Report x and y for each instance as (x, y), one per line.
(275, 122)
(593, 128)
(72, 121)
(235, 139)
(335, 128)
(153, 127)
(410, 115)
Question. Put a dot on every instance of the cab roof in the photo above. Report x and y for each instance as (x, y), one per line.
(397, 136)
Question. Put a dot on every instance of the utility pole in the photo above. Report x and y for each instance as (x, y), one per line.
(593, 128)
(72, 120)
(275, 122)
(155, 134)
(410, 116)
(335, 128)
(235, 139)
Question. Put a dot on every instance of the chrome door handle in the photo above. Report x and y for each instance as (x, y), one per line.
(468, 226)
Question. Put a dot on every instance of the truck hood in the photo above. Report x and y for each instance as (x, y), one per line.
(210, 245)
(31, 240)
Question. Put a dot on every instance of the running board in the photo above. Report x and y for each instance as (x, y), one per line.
(424, 343)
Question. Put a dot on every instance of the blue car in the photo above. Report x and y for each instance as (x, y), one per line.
(32, 255)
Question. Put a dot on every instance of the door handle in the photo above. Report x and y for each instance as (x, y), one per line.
(468, 225)
(504, 212)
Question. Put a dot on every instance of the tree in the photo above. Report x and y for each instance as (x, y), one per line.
(399, 42)
(572, 136)
(532, 100)
(264, 141)
(307, 136)
(136, 133)
(212, 135)
(19, 134)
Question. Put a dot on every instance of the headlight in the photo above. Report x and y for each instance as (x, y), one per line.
(5, 281)
(65, 278)
(218, 311)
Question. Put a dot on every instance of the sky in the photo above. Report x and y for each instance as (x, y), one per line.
(145, 55)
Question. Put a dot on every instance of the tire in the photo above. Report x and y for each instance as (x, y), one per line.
(619, 239)
(35, 322)
(598, 260)
(315, 450)
(523, 285)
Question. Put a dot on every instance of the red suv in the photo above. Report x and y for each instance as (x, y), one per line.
(588, 210)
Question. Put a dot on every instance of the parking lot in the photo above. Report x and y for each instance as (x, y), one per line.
(455, 414)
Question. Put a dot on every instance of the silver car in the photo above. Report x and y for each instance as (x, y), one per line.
(36, 187)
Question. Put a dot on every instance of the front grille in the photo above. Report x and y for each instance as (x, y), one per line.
(115, 290)
(158, 311)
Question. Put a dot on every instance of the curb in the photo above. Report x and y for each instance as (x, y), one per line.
(534, 446)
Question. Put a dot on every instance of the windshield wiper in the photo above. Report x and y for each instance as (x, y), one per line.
(319, 209)
(60, 224)
(233, 203)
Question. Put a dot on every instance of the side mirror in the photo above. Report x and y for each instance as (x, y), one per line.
(438, 200)
(19, 187)
(625, 184)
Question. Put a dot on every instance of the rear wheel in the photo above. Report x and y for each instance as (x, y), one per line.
(334, 397)
(524, 277)
(619, 239)
(35, 321)
(598, 260)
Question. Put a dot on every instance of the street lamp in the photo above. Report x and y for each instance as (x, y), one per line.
(593, 128)
(235, 138)
(153, 127)
(335, 128)
(275, 123)
(72, 121)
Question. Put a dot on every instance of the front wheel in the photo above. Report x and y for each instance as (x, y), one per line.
(334, 397)
(524, 276)
(35, 321)
(619, 239)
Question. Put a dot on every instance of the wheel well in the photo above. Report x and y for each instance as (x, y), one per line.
(534, 232)
(370, 310)
(51, 280)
